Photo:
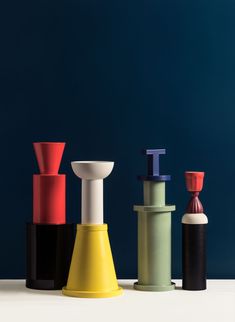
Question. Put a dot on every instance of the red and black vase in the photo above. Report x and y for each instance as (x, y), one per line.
(194, 236)
(49, 239)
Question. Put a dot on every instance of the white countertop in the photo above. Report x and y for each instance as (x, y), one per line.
(217, 303)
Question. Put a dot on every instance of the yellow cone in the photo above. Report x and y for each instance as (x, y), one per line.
(92, 273)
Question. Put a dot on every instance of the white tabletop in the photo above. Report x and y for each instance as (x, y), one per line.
(217, 303)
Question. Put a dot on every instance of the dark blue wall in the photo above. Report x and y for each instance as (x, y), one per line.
(110, 78)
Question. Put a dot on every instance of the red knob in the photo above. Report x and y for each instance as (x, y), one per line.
(194, 181)
(49, 155)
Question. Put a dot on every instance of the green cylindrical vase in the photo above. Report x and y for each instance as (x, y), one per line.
(154, 235)
(154, 251)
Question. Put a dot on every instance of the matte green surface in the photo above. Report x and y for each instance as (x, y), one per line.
(154, 193)
(154, 248)
(154, 240)
(166, 208)
(154, 288)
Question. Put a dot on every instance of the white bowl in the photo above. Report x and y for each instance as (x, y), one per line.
(92, 170)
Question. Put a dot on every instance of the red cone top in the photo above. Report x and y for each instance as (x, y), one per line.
(49, 155)
(194, 181)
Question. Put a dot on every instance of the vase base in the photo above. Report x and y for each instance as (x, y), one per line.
(154, 288)
(92, 294)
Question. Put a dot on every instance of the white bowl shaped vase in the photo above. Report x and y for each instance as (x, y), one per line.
(92, 170)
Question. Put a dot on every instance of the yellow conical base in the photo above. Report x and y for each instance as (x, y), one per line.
(92, 272)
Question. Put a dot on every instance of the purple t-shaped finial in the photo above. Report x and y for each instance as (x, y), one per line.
(153, 161)
(153, 172)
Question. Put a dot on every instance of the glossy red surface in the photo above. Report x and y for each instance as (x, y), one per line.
(49, 155)
(49, 199)
(194, 181)
(49, 187)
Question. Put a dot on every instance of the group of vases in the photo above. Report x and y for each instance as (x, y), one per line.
(82, 266)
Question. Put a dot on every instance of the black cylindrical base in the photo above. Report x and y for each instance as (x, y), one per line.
(49, 251)
(194, 257)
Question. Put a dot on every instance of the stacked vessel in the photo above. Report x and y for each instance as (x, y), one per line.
(92, 273)
(194, 236)
(154, 230)
(49, 239)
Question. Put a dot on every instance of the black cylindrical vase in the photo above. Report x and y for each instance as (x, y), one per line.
(194, 224)
(194, 256)
(49, 250)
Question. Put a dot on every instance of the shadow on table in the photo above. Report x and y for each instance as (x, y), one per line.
(19, 287)
(126, 285)
(178, 288)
